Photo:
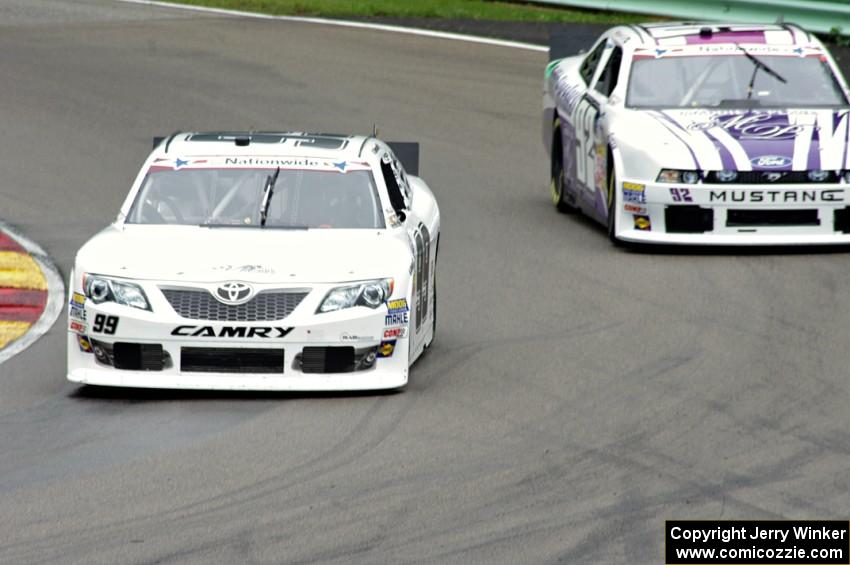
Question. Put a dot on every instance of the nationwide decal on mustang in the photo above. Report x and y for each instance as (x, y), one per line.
(689, 133)
(261, 261)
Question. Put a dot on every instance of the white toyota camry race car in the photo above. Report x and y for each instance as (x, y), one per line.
(701, 134)
(261, 261)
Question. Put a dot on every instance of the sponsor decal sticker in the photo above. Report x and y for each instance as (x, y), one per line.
(397, 319)
(271, 162)
(634, 209)
(84, 343)
(77, 327)
(353, 337)
(395, 333)
(397, 306)
(260, 269)
(386, 349)
(78, 299)
(642, 223)
(77, 313)
(634, 192)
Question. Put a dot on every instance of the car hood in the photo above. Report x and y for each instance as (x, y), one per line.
(184, 253)
(761, 140)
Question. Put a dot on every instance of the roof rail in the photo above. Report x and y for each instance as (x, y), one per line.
(170, 139)
(362, 145)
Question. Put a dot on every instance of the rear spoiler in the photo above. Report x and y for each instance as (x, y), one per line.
(407, 153)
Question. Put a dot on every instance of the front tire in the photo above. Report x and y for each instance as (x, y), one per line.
(613, 200)
(558, 178)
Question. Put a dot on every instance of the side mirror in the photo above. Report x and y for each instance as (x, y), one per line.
(402, 217)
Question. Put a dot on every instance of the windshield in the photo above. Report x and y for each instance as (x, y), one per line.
(724, 81)
(235, 197)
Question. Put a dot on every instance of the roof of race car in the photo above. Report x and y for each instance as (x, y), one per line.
(237, 143)
(704, 33)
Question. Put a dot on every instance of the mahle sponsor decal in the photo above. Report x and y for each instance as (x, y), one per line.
(231, 331)
(396, 319)
(756, 196)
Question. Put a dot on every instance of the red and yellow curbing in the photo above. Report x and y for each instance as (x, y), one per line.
(23, 290)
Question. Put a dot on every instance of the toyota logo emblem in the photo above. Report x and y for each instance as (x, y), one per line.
(234, 293)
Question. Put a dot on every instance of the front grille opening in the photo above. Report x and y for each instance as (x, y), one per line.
(773, 177)
(131, 356)
(688, 219)
(230, 360)
(266, 306)
(755, 218)
(842, 220)
(336, 359)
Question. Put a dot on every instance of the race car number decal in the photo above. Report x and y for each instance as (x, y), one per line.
(681, 195)
(105, 324)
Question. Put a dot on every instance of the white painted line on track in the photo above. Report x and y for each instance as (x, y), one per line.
(348, 23)
(55, 294)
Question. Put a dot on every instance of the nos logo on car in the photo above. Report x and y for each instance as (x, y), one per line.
(770, 161)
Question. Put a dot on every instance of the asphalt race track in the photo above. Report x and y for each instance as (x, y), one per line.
(577, 395)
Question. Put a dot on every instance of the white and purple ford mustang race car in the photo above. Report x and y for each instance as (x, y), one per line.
(702, 134)
(260, 261)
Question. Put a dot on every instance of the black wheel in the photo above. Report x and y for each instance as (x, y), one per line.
(558, 179)
(612, 207)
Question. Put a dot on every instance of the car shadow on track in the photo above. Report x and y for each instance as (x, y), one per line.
(584, 221)
(730, 250)
(129, 395)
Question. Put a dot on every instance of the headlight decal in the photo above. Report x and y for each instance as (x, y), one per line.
(100, 289)
(370, 294)
(678, 176)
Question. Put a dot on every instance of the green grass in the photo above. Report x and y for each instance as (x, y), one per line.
(446, 9)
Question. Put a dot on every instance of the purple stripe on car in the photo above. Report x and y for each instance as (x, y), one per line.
(725, 155)
(671, 125)
(813, 160)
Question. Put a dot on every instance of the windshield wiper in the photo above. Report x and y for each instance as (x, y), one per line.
(271, 180)
(759, 65)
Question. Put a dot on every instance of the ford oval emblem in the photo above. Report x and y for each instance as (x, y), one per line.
(770, 161)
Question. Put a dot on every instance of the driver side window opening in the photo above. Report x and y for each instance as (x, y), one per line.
(608, 79)
(393, 189)
(588, 66)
